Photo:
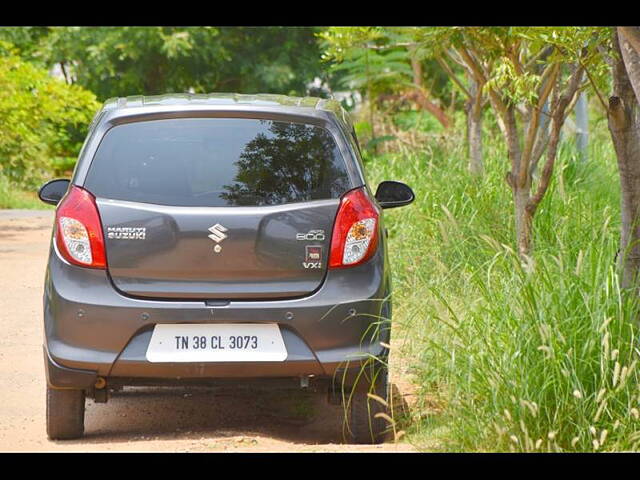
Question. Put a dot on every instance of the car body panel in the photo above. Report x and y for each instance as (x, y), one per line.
(259, 258)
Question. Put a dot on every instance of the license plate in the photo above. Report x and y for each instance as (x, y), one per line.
(246, 342)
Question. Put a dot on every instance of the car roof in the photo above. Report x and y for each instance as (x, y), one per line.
(175, 101)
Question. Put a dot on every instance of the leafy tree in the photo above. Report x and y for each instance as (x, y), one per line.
(42, 118)
(270, 59)
(521, 69)
(358, 67)
(25, 40)
(380, 61)
(120, 61)
(435, 43)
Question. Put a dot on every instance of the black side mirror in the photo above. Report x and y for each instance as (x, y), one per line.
(53, 191)
(391, 194)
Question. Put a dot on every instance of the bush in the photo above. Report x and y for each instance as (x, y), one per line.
(41, 117)
(11, 197)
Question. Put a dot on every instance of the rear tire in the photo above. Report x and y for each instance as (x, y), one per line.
(364, 426)
(65, 413)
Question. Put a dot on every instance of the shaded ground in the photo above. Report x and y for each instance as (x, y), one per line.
(143, 419)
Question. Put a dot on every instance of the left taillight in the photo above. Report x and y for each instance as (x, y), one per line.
(79, 231)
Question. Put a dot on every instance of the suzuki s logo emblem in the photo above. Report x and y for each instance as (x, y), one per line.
(218, 235)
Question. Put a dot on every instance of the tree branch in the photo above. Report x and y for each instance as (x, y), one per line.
(557, 120)
(421, 95)
(595, 88)
(481, 79)
(570, 94)
(445, 66)
(545, 177)
(516, 62)
(455, 56)
(513, 144)
(532, 131)
(541, 55)
(541, 144)
(476, 57)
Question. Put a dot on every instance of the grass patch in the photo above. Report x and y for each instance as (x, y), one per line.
(508, 358)
(13, 197)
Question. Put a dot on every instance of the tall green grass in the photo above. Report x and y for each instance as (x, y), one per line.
(506, 357)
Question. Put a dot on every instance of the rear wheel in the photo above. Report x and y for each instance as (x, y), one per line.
(364, 426)
(65, 413)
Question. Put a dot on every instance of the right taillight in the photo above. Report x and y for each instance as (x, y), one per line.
(355, 233)
(79, 231)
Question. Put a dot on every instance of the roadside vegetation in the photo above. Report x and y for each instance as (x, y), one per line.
(44, 122)
(515, 270)
(510, 357)
(15, 197)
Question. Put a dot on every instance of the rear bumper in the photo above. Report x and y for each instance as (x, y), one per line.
(93, 330)
(63, 377)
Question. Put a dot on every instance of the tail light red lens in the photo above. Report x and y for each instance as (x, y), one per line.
(355, 233)
(79, 231)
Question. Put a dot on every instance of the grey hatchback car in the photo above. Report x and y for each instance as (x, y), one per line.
(214, 240)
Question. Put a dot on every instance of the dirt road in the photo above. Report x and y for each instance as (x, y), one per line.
(176, 420)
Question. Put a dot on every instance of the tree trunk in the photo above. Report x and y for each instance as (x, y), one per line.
(476, 165)
(523, 217)
(543, 138)
(631, 55)
(474, 130)
(624, 125)
(66, 75)
(523, 220)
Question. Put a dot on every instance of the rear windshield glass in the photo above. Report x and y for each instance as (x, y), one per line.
(217, 162)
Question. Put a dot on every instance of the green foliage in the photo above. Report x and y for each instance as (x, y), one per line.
(375, 59)
(516, 53)
(63, 166)
(338, 42)
(513, 56)
(120, 61)
(516, 86)
(270, 59)
(12, 197)
(41, 117)
(359, 62)
(416, 120)
(386, 70)
(25, 40)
